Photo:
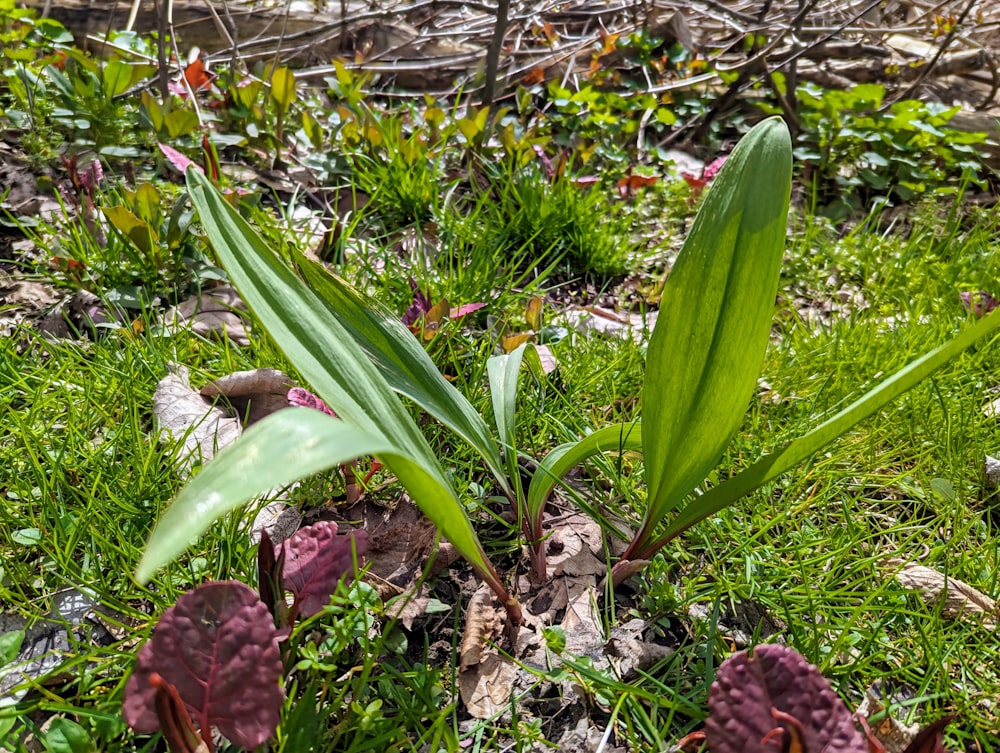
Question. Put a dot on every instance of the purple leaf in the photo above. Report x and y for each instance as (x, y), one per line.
(928, 740)
(765, 703)
(420, 306)
(305, 399)
(980, 303)
(316, 558)
(217, 646)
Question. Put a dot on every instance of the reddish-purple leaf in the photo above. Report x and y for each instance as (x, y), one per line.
(316, 558)
(928, 740)
(175, 721)
(217, 646)
(177, 159)
(762, 703)
(420, 306)
(269, 585)
(305, 399)
(980, 303)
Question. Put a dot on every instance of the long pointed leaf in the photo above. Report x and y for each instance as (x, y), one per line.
(616, 438)
(334, 364)
(715, 317)
(771, 466)
(405, 365)
(504, 372)
(274, 452)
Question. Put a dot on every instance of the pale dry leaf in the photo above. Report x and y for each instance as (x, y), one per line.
(547, 358)
(409, 607)
(48, 641)
(960, 599)
(608, 322)
(630, 652)
(485, 678)
(483, 624)
(991, 471)
(214, 313)
(183, 414)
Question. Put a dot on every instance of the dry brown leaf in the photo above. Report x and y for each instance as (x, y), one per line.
(216, 312)
(483, 624)
(630, 652)
(960, 599)
(252, 394)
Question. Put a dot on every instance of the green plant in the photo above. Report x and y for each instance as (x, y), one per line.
(852, 149)
(716, 316)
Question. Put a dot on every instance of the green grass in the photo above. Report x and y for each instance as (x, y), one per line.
(83, 476)
(85, 479)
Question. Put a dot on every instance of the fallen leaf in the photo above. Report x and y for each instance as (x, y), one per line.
(48, 641)
(217, 312)
(183, 414)
(960, 599)
(889, 731)
(253, 394)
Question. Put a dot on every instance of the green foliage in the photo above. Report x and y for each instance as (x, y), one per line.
(853, 150)
(56, 93)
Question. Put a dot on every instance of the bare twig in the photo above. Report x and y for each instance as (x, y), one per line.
(493, 53)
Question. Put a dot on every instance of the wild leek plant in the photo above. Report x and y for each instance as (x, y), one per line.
(703, 360)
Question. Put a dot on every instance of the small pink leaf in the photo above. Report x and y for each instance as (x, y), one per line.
(713, 167)
(302, 398)
(762, 703)
(177, 159)
(464, 310)
(549, 168)
(217, 646)
(316, 558)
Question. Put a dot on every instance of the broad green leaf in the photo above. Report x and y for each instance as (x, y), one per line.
(136, 229)
(771, 466)
(400, 358)
(10, 645)
(282, 448)
(117, 78)
(333, 364)
(283, 87)
(66, 736)
(616, 438)
(715, 316)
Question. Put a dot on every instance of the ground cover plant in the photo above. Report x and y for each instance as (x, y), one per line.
(515, 414)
